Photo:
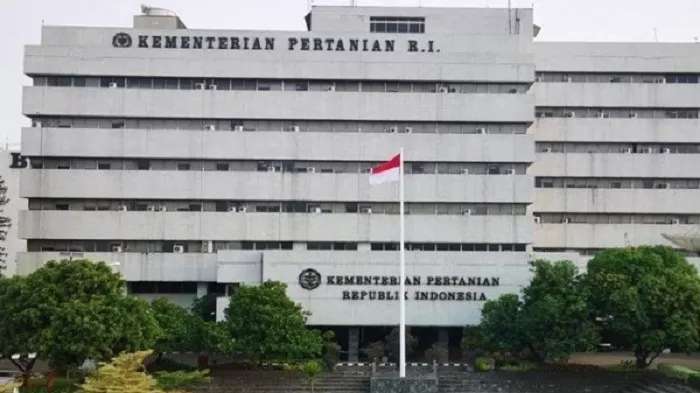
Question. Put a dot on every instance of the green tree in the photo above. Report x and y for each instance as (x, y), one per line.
(205, 307)
(70, 311)
(176, 324)
(648, 297)
(267, 325)
(555, 315)
(551, 321)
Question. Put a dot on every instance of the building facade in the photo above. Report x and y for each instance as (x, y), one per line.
(200, 160)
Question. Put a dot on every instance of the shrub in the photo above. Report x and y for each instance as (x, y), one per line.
(472, 337)
(375, 350)
(677, 371)
(524, 366)
(483, 364)
(694, 380)
(623, 366)
(123, 371)
(311, 372)
(331, 351)
(181, 379)
(437, 353)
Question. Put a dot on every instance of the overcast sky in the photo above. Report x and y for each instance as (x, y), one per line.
(561, 20)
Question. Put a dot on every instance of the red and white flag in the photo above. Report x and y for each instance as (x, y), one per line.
(386, 172)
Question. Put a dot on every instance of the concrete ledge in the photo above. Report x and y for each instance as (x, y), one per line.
(404, 385)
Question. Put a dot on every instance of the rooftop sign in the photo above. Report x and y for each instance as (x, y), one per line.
(125, 40)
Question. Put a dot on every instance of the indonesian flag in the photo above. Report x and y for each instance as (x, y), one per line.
(386, 172)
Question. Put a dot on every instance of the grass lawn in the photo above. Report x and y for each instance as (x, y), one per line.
(612, 358)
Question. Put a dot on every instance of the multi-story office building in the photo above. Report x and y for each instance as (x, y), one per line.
(200, 159)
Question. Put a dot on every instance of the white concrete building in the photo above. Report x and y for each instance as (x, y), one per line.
(200, 159)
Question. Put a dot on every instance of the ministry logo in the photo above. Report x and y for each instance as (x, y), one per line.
(121, 40)
(310, 279)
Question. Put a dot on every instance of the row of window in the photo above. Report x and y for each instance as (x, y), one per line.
(395, 127)
(616, 113)
(477, 209)
(613, 218)
(565, 77)
(74, 248)
(279, 85)
(388, 24)
(177, 287)
(305, 167)
(592, 251)
(618, 183)
(626, 148)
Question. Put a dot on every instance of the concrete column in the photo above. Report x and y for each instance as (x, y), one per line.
(353, 344)
(202, 289)
(443, 337)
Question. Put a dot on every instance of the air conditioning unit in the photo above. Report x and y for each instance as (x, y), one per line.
(537, 220)
(242, 209)
(464, 171)
(510, 171)
(316, 210)
(566, 220)
(212, 87)
(481, 130)
(627, 150)
(647, 150)
(451, 90)
(366, 210)
(210, 127)
(568, 79)
(634, 115)
(600, 115)
(205, 246)
(294, 129)
(123, 208)
(233, 209)
(547, 150)
(271, 169)
(538, 79)
(199, 86)
(666, 150)
(662, 186)
(113, 85)
(178, 249)
(36, 124)
(151, 208)
(467, 212)
(443, 90)
(330, 88)
(660, 80)
(408, 130)
(238, 128)
(117, 249)
(163, 208)
(310, 170)
(570, 115)
(513, 91)
(675, 221)
(392, 130)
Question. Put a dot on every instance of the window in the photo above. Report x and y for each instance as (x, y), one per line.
(104, 165)
(396, 25)
(183, 166)
(222, 166)
(143, 165)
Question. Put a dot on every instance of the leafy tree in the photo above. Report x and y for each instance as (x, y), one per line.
(555, 316)
(500, 324)
(472, 337)
(205, 307)
(267, 325)
(393, 343)
(176, 324)
(5, 224)
(70, 311)
(648, 297)
(551, 321)
(331, 350)
(375, 350)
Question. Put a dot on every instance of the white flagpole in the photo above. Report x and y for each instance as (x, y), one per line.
(402, 277)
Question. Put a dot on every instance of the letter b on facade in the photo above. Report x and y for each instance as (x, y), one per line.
(18, 161)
